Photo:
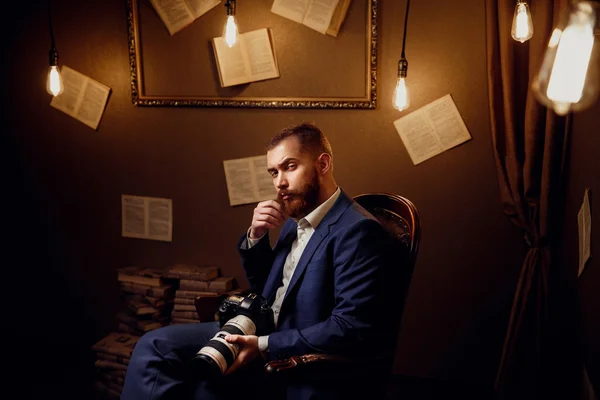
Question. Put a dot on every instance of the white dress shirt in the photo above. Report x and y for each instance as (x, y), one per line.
(306, 228)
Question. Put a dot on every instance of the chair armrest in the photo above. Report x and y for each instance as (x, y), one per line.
(296, 361)
(328, 360)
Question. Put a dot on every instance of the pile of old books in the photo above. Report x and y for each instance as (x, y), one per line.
(195, 282)
(152, 298)
(113, 353)
(147, 299)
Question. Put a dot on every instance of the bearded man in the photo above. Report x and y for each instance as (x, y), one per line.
(324, 281)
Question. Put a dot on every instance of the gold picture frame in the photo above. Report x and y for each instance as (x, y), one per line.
(158, 82)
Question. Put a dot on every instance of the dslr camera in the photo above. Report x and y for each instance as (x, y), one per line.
(239, 314)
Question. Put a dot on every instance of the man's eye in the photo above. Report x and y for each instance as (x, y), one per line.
(291, 166)
(273, 174)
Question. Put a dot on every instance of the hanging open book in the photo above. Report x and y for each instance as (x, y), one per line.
(177, 14)
(325, 16)
(251, 59)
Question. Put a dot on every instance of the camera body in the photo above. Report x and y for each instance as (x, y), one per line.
(252, 306)
(248, 314)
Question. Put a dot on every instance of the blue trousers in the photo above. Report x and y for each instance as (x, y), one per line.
(159, 368)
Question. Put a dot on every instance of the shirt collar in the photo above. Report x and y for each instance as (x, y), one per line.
(316, 216)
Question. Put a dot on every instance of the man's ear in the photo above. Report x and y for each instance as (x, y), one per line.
(324, 163)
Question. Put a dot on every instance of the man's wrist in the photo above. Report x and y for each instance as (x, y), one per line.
(251, 242)
(263, 346)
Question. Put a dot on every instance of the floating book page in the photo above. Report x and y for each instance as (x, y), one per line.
(83, 98)
(252, 59)
(248, 180)
(177, 14)
(324, 16)
(432, 129)
(147, 218)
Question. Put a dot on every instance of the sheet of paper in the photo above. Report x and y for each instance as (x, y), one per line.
(319, 13)
(260, 54)
(175, 14)
(432, 129)
(264, 181)
(201, 7)
(147, 218)
(291, 9)
(418, 137)
(251, 60)
(231, 63)
(83, 98)
(584, 225)
(339, 14)
(447, 122)
(248, 180)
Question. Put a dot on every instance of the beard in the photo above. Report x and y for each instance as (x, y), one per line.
(303, 200)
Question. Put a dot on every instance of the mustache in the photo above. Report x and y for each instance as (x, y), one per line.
(282, 194)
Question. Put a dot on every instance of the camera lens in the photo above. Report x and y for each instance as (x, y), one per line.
(205, 366)
(218, 354)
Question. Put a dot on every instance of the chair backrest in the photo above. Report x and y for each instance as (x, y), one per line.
(400, 218)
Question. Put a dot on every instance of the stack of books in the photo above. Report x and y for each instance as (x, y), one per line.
(198, 281)
(147, 297)
(113, 353)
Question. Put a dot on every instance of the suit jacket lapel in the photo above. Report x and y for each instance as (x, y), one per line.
(342, 203)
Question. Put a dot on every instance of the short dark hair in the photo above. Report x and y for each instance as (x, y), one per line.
(310, 137)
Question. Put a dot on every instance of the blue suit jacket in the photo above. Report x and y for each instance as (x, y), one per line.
(335, 299)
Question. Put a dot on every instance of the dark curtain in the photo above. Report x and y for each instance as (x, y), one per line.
(530, 148)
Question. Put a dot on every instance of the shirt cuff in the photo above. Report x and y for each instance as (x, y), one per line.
(249, 243)
(263, 346)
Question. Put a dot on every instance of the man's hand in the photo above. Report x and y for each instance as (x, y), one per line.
(248, 352)
(267, 215)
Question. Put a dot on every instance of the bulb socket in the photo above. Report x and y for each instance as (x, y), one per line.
(402, 68)
(53, 57)
(230, 6)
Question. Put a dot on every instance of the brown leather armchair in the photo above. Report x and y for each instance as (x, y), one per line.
(400, 218)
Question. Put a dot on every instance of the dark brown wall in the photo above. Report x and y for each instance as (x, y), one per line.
(66, 181)
(584, 170)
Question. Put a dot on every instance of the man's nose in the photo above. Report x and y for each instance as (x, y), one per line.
(281, 182)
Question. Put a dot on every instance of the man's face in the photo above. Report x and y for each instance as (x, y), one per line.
(295, 176)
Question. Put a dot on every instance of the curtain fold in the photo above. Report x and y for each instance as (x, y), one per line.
(530, 149)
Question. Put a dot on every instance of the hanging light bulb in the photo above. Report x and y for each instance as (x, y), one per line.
(568, 77)
(54, 82)
(522, 27)
(230, 33)
(401, 97)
